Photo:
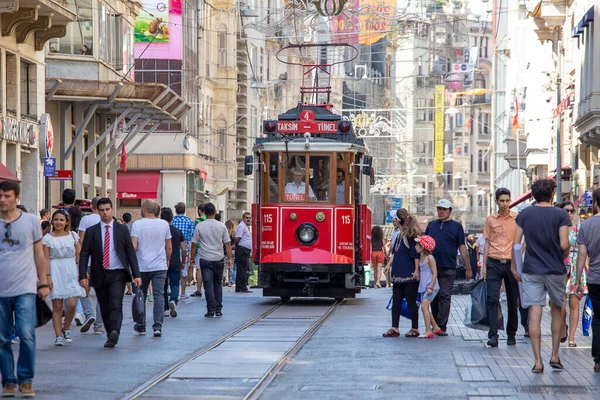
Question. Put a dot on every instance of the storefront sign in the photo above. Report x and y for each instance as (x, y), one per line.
(18, 131)
(564, 104)
(438, 120)
(47, 132)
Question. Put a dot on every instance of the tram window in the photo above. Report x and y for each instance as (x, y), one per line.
(319, 176)
(295, 189)
(273, 174)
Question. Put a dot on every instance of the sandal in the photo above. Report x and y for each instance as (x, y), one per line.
(391, 333)
(412, 333)
(572, 344)
(537, 371)
(430, 335)
(564, 338)
(437, 331)
(556, 365)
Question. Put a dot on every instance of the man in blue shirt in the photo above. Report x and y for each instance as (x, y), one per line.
(186, 226)
(449, 237)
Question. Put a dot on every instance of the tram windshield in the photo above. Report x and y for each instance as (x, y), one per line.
(305, 178)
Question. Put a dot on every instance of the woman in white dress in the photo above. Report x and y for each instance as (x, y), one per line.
(61, 246)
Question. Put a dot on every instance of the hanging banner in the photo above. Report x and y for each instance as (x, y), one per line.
(438, 119)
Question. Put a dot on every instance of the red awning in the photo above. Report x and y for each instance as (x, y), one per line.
(521, 199)
(579, 200)
(137, 184)
(7, 175)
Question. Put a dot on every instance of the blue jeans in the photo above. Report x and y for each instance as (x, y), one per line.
(173, 278)
(234, 273)
(212, 275)
(18, 311)
(158, 285)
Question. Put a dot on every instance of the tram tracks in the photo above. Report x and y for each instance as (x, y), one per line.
(267, 317)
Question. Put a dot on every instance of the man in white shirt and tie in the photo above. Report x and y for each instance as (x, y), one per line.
(113, 264)
(296, 190)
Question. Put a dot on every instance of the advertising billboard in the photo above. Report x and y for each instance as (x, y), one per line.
(158, 30)
(364, 22)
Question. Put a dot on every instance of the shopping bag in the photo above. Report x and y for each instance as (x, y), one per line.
(404, 310)
(138, 307)
(43, 312)
(389, 306)
(586, 318)
(476, 316)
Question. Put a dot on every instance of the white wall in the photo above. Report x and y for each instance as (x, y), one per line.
(163, 143)
(173, 188)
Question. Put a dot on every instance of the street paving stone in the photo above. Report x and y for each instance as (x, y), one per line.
(347, 358)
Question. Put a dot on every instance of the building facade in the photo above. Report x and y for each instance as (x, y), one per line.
(97, 105)
(26, 26)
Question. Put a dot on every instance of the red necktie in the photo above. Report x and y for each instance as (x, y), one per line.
(106, 255)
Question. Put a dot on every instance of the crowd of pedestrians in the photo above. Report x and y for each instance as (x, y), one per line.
(560, 261)
(78, 253)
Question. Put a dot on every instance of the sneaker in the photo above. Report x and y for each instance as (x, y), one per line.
(172, 309)
(99, 331)
(219, 314)
(209, 315)
(197, 293)
(166, 314)
(139, 329)
(59, 341)
(157, 333)
(26, 390)
(9, 390)
(184, 297)
(87, 325)
(67, 336)
(150, 298)
(78, 319)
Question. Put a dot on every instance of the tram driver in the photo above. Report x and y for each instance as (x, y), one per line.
(296, 189)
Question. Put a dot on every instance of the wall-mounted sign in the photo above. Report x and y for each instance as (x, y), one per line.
(49, 166)
(564, 104)
(18, 131)
(47, 133)
(62, 175)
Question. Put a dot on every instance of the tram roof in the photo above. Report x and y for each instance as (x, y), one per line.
(316, 145)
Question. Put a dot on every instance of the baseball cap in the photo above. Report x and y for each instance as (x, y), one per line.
(444, 203)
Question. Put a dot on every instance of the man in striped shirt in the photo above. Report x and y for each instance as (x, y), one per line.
(186, 226)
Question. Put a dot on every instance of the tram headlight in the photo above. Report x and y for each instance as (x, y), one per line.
(307, 234)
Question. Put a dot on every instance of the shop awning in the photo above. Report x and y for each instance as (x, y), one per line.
(137, 184)
(7, 175)
(526, 196)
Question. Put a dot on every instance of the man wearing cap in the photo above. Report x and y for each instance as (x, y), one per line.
(449, 237)
(297, 187)
(499, 233)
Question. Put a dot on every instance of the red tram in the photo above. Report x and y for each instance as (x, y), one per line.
(311, 229)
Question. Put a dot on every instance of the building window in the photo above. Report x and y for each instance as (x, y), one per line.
(482, 161)
(421, 110)
(222, 49)
(116, 39)
(194, 184)
(28, 90)
(430, 110)
(129, 203)
(12, 86)
(80, 34)
(485, 125)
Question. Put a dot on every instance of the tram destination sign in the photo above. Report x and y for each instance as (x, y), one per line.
(308, 124)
